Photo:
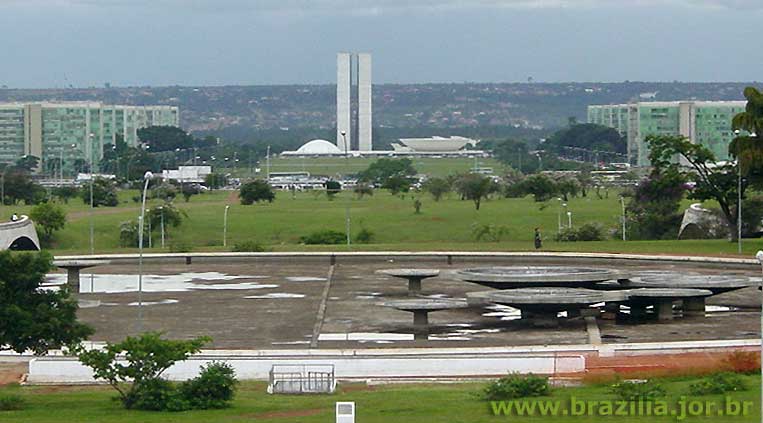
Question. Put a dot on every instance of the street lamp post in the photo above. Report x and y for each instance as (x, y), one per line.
(622, 204)
(147, 177)
(739, 201)
(90, 212)
(559, 216)
(225, 226)
(161, 213)
(569, 219)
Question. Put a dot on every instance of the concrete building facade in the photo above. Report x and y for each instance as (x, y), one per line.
(353, 102)
(77, 130)
(707, 123)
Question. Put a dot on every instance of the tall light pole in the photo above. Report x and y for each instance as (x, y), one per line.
(161, 212)
(569, 219)
(90, 211)
(147, 178)
(622, 204)
(559, 216)
(739, 201)
(225, 226)
(267, 162)
(347, 170)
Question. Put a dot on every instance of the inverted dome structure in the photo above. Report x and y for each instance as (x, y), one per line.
(319, 147)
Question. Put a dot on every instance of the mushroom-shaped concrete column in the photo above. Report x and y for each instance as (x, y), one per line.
(414, 276)
(662, 299)
(73, 268)
(421, 307)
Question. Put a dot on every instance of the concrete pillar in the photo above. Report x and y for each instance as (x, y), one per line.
(694, 307)
(611, 309)
(664, 310)
(638, 311)
(541, 320)
(414, 286)
(72, 279)
(420, 325)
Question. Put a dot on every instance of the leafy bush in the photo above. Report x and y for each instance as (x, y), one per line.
(638, 390)
(133, 368)
(249, 247)
(489, 232)
(586, 232)
(743, 362)
(104, 193)
(213, 388)
(11, 402)
(156, 395)
(256, 191)
(718, 383)
(516, 386)
(365, 236)
(180, 247)
(324, 237)
(49, 217)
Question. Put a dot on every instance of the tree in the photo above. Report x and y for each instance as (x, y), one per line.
(189, 190)
(712, 181)
(167, 212)
(215, 180)
(164, 191)
(49, 217)
(131, 365)
(19, 186)
(27, 163)
(64, 193)
(397, 184)
(165, 138)
(567, 187)
(539, 185)
(380, 171)
(332, 188)
(104, 193)
(437, 187)
(653, 208)
(515, 154)
(588, 137)
(748, 149)
(475, 187)
(362, 189)
(256, 191)
(32, 318)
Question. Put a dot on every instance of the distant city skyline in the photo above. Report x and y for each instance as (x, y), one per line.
(84, 43)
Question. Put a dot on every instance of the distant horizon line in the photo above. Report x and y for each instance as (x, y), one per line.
(7, 88)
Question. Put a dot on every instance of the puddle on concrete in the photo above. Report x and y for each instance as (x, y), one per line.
(366, 336)
(304, 279)
(275, 295)
(367, 295)
(448, 338)
(290, 343)
(718, 309)
(503, 312)
(107, 283)
(150, 303)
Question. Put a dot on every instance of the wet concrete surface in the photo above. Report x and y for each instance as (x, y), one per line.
(279, 307)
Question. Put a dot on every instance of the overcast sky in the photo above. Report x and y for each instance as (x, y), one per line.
(53, 43)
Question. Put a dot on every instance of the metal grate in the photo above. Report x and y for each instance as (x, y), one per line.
(306, 379)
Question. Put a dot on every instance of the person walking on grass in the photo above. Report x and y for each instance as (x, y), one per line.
(538, 239)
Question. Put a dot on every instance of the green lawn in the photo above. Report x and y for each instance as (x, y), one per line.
(456, 403)
(443, 225)
(340, 165)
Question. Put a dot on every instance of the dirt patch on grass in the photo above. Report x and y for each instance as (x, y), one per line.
(12, 372)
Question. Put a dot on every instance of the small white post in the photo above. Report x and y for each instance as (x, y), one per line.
(345, 412)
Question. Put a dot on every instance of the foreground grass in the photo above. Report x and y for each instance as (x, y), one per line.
(443, 225)
(457, 403)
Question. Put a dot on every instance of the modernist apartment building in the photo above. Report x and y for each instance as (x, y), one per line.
(353, 102)
(704, 122)
(76, 130)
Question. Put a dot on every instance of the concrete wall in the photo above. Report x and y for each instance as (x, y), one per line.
(11, 231)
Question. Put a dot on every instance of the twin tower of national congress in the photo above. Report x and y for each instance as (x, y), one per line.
(353, 102)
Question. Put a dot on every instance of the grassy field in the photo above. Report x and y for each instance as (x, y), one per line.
(456, 403)
(443, 225)
(339, 165)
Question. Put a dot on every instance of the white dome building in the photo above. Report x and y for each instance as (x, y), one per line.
(317, 148)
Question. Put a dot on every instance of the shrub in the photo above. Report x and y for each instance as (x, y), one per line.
(49, 217)
(718, 383)
(324, 237)
(180, 247)
(156, 395)
(11, 402)
(516, 386)
(256, 191)
(743, 362)
(249, 247)
(638, 390)
(213, 388)
(586, 232)
(365, 236)
(489, 232)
